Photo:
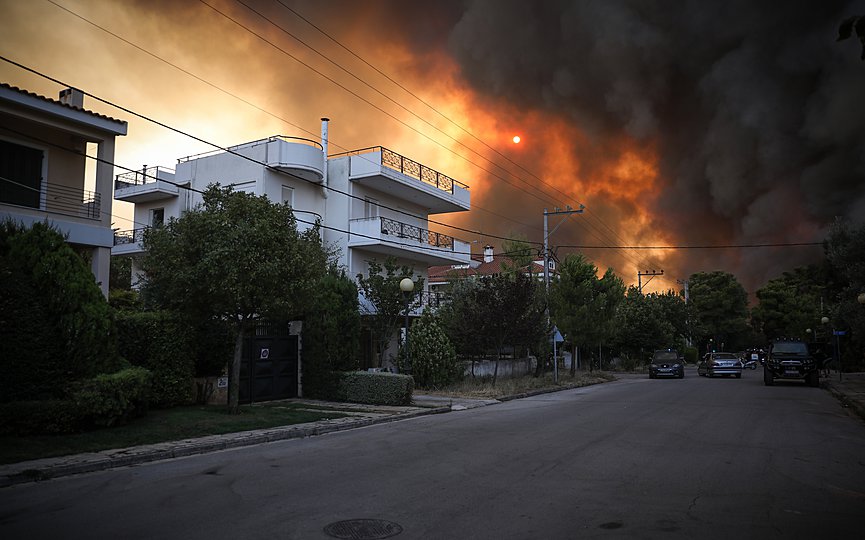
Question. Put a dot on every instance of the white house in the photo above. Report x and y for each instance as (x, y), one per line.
(44, 174)
(373, 203)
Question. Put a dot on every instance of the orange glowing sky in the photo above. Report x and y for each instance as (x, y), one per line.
(194, 68)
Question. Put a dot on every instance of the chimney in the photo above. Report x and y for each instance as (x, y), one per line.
(73, 97)
(324, 122)
(488, 253)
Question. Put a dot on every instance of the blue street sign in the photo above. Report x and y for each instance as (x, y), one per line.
(839, 332)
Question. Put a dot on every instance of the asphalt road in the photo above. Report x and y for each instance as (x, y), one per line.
(637, 458)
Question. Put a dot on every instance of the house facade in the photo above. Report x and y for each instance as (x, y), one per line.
(373, 203)
(45, 176)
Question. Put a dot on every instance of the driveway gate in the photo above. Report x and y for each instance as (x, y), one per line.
(268, 368)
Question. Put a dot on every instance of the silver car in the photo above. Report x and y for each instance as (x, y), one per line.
(720, 363)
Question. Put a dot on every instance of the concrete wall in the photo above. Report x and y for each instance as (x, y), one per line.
(507, 367)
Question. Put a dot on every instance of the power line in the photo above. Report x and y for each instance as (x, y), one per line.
(236, 154)
(220, 89)
(720, 246)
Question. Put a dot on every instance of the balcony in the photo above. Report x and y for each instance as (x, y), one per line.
(149, 184)
(301, 157)
(386, 171)
(128, 242)
(424, 299)
(391, 237)
(297, 156)
(54, 199)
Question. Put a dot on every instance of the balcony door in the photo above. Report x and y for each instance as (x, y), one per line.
(20, 175)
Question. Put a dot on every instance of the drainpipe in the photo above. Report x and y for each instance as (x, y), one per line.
(324, 122)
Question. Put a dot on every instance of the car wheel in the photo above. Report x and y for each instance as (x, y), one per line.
(738, 375)
(814, 379)
(682, 375)
(768, 379)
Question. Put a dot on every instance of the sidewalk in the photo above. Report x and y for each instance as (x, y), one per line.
(360, 416)
(850, 392)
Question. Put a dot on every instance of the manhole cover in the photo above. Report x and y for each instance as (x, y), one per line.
(363, 529)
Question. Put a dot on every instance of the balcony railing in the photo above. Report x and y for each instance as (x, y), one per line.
(398, 229)
(55, 199)
(408, 167)
(134, 236)
(144, 176)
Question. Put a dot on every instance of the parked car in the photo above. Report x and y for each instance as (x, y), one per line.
(791, 360)
(667, 363)
(720, 363)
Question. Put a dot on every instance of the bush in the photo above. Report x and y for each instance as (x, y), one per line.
(103, 401)
(433, 357)
(114, 398)
(48, 417)
(55, 325)
(162, 343)
(691, 355)
(375, 388)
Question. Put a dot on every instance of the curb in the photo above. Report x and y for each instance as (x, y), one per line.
(110, 459)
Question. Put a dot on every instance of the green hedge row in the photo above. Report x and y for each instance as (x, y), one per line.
(102, 401)
(162, 343)
(375, 388)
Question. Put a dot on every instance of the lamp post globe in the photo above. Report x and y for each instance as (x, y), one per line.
(861, 298)
(824, 320)
(406, 285)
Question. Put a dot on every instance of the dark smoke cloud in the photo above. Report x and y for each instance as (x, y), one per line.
(756, 111)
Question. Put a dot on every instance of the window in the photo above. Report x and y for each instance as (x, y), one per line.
(288, 195)
(157, 217)
(20, 174)
(370, 208)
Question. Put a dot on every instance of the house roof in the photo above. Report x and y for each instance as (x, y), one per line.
(33, 100)
(441, 274)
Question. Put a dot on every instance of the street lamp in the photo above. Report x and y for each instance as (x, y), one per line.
(406, 285)
(861, 298)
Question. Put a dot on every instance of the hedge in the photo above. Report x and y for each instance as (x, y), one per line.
(163, 343)
(375, 388)
(102, 401)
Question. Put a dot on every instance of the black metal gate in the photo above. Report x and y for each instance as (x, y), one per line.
(268, 368)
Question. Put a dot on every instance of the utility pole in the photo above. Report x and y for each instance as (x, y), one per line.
(556, 212)
(651, 273)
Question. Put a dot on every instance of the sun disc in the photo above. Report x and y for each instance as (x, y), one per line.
(517, 139)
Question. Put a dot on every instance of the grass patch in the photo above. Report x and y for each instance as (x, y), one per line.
(162, 426)
(482, 388)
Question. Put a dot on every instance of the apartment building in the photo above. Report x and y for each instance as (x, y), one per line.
(373, 203)
(44, 174)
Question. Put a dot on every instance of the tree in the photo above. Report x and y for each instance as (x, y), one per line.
(385, 303)
(434, 360)
(519, 255)
(845, 259)
(720, 310)
(331, 333)
(789, 304)
(120, 275)
(238, 258)
(582, 306)
(55, 325)
(641, 324)
(511, 311)
(461, 317)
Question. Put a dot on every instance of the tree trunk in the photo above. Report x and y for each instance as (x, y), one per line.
(574, 353)
(496, 369)
(234, 373)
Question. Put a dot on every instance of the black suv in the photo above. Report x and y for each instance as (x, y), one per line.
(790, 360)
(666, 364)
